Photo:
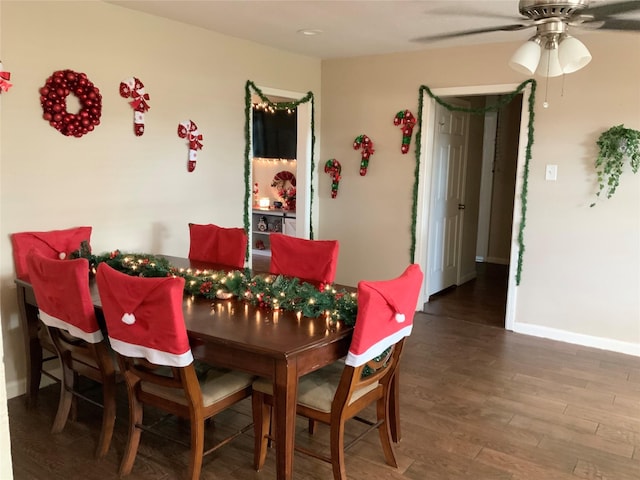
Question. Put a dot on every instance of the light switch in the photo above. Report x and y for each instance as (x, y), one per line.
(551, 172)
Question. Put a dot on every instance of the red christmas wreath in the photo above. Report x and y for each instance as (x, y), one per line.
(285, 183)
(53, 98)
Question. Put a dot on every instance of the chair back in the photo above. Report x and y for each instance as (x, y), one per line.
(61, 288)
(144, 316)
(52, 244)
(310, 260)
(385, 314)
(211, 243)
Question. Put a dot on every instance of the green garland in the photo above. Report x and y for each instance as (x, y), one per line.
(249, 86)
(265, 291)
(502, 101)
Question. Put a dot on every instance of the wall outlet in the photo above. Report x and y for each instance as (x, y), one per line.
(551, 172)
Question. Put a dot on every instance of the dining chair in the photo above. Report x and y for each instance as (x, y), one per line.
(211, 243)
(339, 392)
(314, 261)
(61, 289)
(52, 244)
(146, 328)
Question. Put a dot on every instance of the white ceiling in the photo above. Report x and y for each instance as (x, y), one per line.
(349, 27)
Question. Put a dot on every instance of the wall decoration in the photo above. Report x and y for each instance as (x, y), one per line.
(405, 119)
(334, 169)
(53, 98)
(5, 84)
(364, 142)
(133, 88)
(614, 147)
(189, 130)
(285, 184)
(248, 88)
(502, 101)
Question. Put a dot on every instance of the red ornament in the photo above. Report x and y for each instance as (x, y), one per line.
(189, 130)
(367, 150)
(53, 98)
(408, 121)
(133, 88)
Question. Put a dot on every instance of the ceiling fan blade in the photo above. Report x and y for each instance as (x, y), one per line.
(464, 33)
(473, 12)
(599, 12)
(620, 24)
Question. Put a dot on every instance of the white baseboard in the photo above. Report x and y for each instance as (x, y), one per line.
(19, 387)
(469, 276)
(578, 338)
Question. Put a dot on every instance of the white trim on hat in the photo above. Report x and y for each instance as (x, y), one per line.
(51, 321)
(157, 357)
(357, 359)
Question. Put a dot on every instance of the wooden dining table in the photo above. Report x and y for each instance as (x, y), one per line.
(280, 345)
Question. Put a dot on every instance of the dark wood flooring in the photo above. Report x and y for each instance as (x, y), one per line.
(482, 300)
(477, 402)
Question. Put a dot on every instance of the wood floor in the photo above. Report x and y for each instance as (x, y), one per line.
(477, 402)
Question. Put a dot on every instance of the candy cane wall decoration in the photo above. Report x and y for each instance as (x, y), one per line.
(133, 88)
(367, 150)
(5, 84)
(407, 121)
(333, 168)
(189, 130)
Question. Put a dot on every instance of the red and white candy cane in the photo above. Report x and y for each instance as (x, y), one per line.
(5, 84)
(334, 169)
(367, 150)
(408, 121)
(189, 130)
(133, 88)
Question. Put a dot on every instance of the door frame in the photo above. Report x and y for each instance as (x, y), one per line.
(303, 162)
(425, 177)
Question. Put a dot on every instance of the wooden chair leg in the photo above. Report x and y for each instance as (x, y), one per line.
(197, 446)
(108, 416)
(66, 397)
(312, 426)
(384, 430)
(135, 418)
(261, 425)
(337, 450)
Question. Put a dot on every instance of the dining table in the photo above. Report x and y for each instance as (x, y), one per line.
(277, 344)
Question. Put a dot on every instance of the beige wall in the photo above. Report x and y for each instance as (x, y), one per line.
(581, 272)
(134, 191)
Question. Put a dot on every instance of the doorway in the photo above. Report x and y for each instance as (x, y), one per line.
(427, 173)
(287, 174)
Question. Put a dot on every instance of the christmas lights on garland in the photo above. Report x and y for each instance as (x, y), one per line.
(502, 101)
(264, 291)
(249, 87)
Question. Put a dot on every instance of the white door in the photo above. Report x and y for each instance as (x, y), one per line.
(447, 197)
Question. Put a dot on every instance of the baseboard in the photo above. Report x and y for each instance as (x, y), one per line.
(499, 261)
(469, 276)
(19, 387)
(578, 338)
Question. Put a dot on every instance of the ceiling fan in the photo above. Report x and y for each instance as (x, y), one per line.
(552, 20)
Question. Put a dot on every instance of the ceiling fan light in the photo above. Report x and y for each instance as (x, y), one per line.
(549, 65)
(526, 57)
(573, 54)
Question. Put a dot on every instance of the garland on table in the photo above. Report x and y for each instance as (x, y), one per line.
(265, 291)
(250, 86)
(502, 101)
(53, 98)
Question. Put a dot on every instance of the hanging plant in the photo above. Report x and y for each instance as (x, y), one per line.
(615, 146)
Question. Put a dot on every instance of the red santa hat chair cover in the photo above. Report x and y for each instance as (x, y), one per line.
(310, 260)
(211, 243)
(62, 292)
(385, 314)
(144, 316)
(53, 244)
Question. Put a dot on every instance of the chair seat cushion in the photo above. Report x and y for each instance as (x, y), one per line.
(217, 384)
(317, 389)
